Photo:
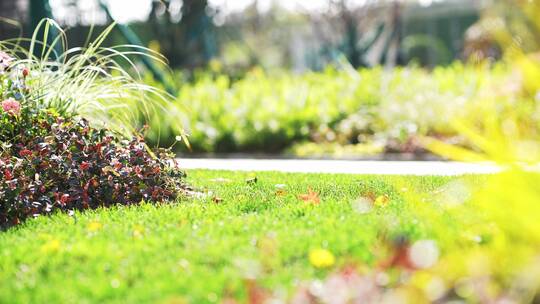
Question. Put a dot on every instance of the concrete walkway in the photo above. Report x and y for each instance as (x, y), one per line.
(339, 166)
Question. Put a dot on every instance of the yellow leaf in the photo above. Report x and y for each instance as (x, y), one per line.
(94, 226)
(321, 258)
(382, 200)
(138, 231)
(51, 246)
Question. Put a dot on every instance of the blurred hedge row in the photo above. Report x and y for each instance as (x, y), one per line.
(271, 112)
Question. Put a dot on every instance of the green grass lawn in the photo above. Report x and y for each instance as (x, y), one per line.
(203, 250)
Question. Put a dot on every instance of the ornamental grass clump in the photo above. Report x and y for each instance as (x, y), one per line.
(55, 158)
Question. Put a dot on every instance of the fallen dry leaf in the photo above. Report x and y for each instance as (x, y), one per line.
(281, 192)
(311, 197)
(370, 195)
(381, 200)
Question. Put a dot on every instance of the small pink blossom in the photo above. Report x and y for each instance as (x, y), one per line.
(11, 106)
(4, 57)
(5, 61)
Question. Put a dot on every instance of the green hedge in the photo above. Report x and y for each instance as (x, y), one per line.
(270, 112)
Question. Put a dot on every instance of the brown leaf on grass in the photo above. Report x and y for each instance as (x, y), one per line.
(281, 192)
(311, 197)
(370, 195)
(280, 189)
(381, 200)
(217, 199)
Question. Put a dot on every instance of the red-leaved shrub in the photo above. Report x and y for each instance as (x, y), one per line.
(51, 162)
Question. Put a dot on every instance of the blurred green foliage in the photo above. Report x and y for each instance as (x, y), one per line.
(269, 112)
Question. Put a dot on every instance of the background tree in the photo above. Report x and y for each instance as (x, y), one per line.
(184, 30)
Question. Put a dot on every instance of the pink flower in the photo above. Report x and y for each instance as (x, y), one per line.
(4, 57)
(11, 106)
(5, 60)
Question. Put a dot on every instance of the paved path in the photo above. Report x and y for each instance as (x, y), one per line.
(339, 166)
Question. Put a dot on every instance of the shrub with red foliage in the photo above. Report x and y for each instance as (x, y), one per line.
(50, 163)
